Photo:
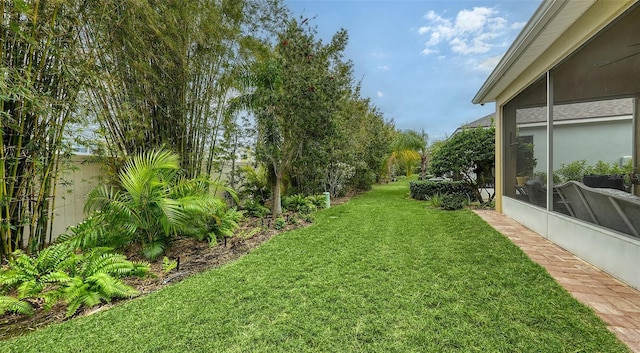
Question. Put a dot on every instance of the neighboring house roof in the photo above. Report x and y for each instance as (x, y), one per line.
(607, 109)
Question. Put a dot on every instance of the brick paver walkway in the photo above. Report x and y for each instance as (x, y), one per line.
(615, 302)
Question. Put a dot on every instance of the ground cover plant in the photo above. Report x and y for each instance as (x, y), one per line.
(382, 273)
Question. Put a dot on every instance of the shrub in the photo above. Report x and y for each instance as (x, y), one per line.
(468, 155)
(317, 200)
(575, 170)
(299, 203)
(424, 190)
(452, 202)
(436, 201)
(223, 224)
(254, 183)
(338, 176)
(363, 180)
(254, 208)
(309, 218)
(279, 223)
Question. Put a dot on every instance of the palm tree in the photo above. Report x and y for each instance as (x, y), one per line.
(410, 146)
(264, 80)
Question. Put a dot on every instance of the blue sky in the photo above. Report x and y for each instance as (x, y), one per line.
(421, 62)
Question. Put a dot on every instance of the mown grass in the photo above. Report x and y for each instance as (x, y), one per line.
(381, 273)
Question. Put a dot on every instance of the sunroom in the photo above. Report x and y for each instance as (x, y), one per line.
(583, 191)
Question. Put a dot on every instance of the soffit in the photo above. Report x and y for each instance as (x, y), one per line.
(549, 22)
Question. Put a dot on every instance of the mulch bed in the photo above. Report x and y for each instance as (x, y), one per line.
(194, 256)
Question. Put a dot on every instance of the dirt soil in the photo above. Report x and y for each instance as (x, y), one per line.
(193, 256)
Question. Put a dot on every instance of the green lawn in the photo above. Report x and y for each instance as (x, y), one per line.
(381, 273)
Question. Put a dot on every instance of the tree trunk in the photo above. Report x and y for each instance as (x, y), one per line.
(276, 203)
(423, 167)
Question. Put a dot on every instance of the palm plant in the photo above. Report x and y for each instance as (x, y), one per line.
(141, 201)
(152, 202)
(409, 147)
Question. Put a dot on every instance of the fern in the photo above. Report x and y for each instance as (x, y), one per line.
(223, 224)
(58, 274)
(93, 232)
(98, 280)
(13, 305)
(111, 287)
(33, 277)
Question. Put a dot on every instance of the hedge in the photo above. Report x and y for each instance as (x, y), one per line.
(423, 190)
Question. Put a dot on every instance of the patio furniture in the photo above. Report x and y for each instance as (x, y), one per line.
(604, 181)
(610, 208)
(537, 195)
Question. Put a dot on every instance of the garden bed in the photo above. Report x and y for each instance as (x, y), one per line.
(194, 257)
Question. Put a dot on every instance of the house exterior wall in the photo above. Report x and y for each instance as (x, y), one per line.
(596, 18)
(593, 142)
(613, 252)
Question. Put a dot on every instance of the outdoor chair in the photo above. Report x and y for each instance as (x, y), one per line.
(610, 208)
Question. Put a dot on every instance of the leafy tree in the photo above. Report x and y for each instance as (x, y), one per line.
(167, 69)
(41, 74)
(361, 141)
(468, 156)
(290, 91)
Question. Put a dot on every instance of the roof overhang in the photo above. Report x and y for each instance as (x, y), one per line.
(548, 23)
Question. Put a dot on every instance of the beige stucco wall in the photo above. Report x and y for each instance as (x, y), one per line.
(71, 191)
(605, 141)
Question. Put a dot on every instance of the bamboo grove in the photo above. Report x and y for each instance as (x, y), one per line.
(143, 74)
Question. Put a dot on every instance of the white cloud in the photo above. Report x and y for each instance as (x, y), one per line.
(384, 68)
(380, 94)
(428, 51)
(490, 63)
(475, 31)
(473, 20)
(435, 39)
(434, 18)
(518, 25)
(484, 65)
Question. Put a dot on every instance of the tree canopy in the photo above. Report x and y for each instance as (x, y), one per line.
(300, 93)
(469, 155)
(145, 75)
